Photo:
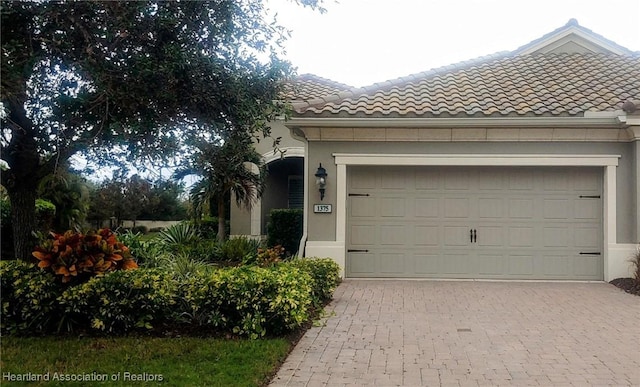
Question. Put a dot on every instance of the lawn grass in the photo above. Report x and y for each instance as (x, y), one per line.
(186, 361)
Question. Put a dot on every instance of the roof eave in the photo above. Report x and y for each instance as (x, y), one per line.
(475, 122)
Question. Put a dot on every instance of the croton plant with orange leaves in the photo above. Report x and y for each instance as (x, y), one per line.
(75, 255)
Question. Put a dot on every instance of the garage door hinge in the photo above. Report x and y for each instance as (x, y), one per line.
(357, 251)
(589, 196)
(591, 253)
(357, 194)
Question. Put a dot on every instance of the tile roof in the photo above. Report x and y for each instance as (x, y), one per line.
(499, 85)
(533, 80)
(307, 87)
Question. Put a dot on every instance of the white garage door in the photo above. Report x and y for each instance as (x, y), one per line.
(475, 222)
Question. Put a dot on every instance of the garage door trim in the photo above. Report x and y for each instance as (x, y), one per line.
(609, 162)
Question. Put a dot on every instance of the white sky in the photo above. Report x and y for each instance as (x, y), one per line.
(359, 42)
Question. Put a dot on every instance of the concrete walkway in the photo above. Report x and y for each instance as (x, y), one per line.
(448, 333)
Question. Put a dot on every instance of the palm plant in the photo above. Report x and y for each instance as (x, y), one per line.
(229, 166)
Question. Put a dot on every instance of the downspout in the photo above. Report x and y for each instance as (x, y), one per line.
(305, 210)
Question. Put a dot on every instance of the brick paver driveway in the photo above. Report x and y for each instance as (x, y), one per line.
(446, 333)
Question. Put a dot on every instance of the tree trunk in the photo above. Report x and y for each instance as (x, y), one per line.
(23, 219)
(222, 227)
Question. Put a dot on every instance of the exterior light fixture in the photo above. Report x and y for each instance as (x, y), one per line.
(321, 180)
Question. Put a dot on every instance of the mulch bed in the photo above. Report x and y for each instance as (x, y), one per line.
(629, 285)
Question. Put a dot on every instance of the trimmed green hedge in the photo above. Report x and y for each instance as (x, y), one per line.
(285, 229)
(249, 300)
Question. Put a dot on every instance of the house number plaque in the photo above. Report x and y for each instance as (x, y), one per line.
(322, 208)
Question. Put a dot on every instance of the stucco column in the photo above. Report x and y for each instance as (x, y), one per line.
(634, 131)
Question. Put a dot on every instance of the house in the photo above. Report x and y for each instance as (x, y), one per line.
(518, 165)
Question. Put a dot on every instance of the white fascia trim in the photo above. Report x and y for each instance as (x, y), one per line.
(483, 122)
(609, 162)
(573, 30)
(476, 160)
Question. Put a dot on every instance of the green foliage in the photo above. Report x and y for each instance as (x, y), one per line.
(266, 257)
(77, 256)
(69, 192)
(238, 249)
(231, 165)
(28, 299)
(45, 215)
(61, 96)
(325, 273)
(182, 233)
(5, 211)
(285, 229)
(250, 301)
(121, 301)
(208, 227)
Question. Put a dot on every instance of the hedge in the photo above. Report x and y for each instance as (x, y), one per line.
(250, 301)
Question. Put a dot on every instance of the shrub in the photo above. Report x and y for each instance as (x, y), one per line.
(265, 257)
(28, 298)
(325, 273)
(179, 234)
(250, 301)
(285, 229)
(121, 301)
(76, 255)
(237, 249)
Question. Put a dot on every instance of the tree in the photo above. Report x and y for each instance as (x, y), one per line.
(231, 166)
(128, 79)
(69, 192)
(165, 202)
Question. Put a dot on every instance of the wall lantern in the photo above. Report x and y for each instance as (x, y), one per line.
(321, 180)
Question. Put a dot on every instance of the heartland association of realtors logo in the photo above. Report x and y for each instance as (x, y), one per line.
(82, 377)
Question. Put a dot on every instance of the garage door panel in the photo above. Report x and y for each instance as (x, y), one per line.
(427, 207)
(491, 264)
(456, 236)
(456, 263)
(557, 237)
(520, 265)
(428, 179)
(363, 207)
(392, 178)
(521, 208)
(456, 179)
(490, 208)
(530, 223)
(427, 264)
(490, 236)
(523, 180)
(587, 237)
(362, 235)
(427, 235)
(587, 209)
(362, 264)
(556, 208)
(587, 266)
(392, 262)
(521, 236)
(456, 208)
(393, 235)
(394, 207)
